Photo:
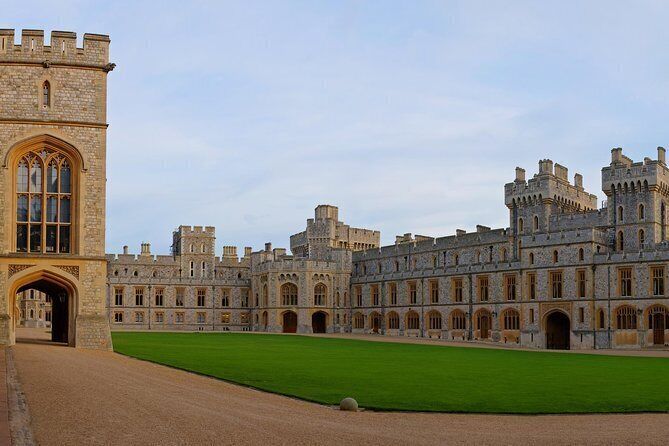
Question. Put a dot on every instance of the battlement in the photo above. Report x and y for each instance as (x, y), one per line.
(191, 230)
(626, 175)
(62, 50)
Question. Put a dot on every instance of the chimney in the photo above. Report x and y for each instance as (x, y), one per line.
(268, 247)
(146, 249)
(247, 251)
(520, 175)
(125, 249)
(616, 155)
(459, 232)
(578, 180)
(230, 251)
(561, 172)
(546, 166)
(661, 155)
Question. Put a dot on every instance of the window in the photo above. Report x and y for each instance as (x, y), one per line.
(556, 284)
(657, 274)
(536, 223)
(118, 296)
(225, 318)
(626, 318)
(413, 295)
(434, 320)
(160, 317)
(520, 225)
(456, 260)
(581, 315)
(375, 295)
(580, 283)
(289, 294)
(393, 293)
(532, 286)
(179, 317)
(581, 255)
(601, 322)
(555, 256)
(620, 214)
(642, 238)
(358, 296)
(503, 256)
(457, 289)
(434, 291)
(139, 317)
(43, 202)
(531, 315)
(46, 94)
(192, 266)
(625, 282)
(531, 258)
(225, 297)
(159, 297)
(265, 296)
(118, 317)
(642, 213)
(358, 320)
(139, 296)
(245, 297)
(244, 318)
(483, 288)
(201, 297)
(179, 301)
(201, 317)
(510, 287)
(319, 295)
(393, 321)
(458, 321)
(621, 241)
(204, 269)
(413, 321)
(511, 320)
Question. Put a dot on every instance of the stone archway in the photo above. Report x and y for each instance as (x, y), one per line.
(375, 322)
(63, 294)
(319, 322)
(289, 319)
(558, 330)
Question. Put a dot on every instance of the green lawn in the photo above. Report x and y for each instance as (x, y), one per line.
(392, 376)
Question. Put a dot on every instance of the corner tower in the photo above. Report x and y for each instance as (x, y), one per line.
(53, 128)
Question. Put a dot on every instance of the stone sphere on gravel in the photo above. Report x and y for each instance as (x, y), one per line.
(348, 404)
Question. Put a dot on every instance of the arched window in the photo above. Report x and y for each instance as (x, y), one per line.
(456, 260)
(555, 256)
(43, 202)
(626, 318)
(393, 321)
(621, 241)
(642, 238)
(620, 214)
(642, 212)
(458, 321)
(413, 321)
(289, 294)
(511, 319)
(581, 254)
(46, 94)
(503, 254)
(536, 223)
(320, 292)
(601, 321)
(265, 296)
(434, 320)
(520, 225)
(531, 258)
(358, 320)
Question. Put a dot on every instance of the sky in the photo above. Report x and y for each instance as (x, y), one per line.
(408, 115)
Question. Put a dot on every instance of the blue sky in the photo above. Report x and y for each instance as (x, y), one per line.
(410, 116)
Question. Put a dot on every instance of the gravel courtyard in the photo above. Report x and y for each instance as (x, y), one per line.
(92, 397)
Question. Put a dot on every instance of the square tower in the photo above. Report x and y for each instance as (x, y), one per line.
(53, 129)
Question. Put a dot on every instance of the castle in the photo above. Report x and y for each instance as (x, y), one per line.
(564, 274)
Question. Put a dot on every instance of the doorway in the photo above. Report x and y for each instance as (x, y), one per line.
(557, 331)
(290, 322)
(318, 322)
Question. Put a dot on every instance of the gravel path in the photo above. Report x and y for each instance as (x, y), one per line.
(93, 397)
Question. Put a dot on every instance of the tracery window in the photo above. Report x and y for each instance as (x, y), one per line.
(413, 321)
(46, 94)
(434, 320)
(511, 320)
(319, 295)
(43, 202)
(626, 318)
(458, 321)
(289, 294)
(393, 321)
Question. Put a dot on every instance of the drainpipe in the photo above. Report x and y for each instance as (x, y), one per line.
(470, 332)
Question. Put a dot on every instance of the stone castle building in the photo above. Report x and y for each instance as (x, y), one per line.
(566, 273)
(53, 110)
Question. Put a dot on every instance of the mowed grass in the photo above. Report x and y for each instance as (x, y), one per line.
(412, 377)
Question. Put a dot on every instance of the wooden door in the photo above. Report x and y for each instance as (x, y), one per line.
(658, 329)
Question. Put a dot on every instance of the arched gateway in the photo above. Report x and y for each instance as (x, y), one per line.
(319, 322)
(558, 330)
(289, 319)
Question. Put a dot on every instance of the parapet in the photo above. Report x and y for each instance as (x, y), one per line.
(183, 229)
(230, 252)
(62, 50)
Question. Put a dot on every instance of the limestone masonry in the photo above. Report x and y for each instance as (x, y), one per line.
(564, 274)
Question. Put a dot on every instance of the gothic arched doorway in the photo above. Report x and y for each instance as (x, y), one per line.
(557, 331)
(290, 322)
(318, 322)
(375, 322)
